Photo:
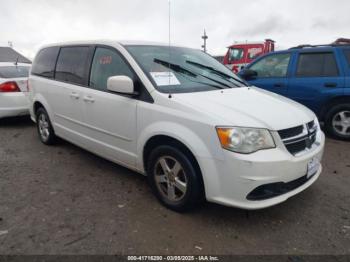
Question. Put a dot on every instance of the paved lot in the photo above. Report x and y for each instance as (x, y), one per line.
(64, 200)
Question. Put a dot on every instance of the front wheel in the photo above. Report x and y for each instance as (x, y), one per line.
(174, 179)
(337, 121)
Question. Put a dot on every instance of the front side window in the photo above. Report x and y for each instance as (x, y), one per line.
(236, 54)
(183, 70)
(14, 71)
(317, 65)
(107, 63)
(71, 65)
(45, 61)
(272, 66)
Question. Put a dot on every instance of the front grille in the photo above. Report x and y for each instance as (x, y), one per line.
(298, 139)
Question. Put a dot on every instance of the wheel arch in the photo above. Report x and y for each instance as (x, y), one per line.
(332, 102)
(40, 101)
(158, 140)
(36, 106)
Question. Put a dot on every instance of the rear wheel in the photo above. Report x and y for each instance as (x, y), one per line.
(45, 130)
(337, 121)
(174, 179)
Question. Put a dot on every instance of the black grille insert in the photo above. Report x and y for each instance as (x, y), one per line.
(290, 132)
(275, 189)
(311, 124)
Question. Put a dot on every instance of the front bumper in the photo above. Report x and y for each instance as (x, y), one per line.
(229, 182)
(13, 104)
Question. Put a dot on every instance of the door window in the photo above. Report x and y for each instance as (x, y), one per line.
(71, 65)
(45, 61)
(317, 65)
(107, 63)
(272, 66)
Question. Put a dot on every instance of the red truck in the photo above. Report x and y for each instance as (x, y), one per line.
(241, 54)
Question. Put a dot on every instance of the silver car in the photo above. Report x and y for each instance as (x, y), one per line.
(14, 89)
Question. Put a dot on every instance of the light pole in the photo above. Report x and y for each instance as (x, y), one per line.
(205, 37)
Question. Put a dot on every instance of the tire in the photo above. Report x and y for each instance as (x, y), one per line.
(44, 127)
(181, 188)
(337, 122)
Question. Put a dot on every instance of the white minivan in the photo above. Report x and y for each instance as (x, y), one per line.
(177, 115)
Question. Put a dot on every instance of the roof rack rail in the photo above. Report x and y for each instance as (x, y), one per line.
(342, 41)
(338, 42)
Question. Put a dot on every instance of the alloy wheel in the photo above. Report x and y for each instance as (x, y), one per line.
(170, 178)
(341, 123)
(44, 127)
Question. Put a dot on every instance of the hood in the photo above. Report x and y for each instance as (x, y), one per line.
(248, 107)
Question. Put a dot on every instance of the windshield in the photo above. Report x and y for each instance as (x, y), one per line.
(236, 54)
(14, 71)
(183, 70)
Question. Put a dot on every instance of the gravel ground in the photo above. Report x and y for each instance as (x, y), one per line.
(64, 200)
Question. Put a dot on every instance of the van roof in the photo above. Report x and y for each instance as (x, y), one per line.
(107, 42)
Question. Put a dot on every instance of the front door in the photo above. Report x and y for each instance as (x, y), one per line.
(272, 73)
(109, 118)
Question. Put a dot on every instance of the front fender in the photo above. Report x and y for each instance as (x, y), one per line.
(188, 137)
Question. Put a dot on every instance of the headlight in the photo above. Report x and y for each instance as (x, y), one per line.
(245, 140)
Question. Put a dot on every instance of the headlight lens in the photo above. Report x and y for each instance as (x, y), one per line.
(245, 140)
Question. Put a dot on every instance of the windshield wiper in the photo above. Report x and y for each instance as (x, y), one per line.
(183, 70)
(174, 67)
(215, 71)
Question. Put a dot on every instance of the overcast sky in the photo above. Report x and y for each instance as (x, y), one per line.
(32, 23)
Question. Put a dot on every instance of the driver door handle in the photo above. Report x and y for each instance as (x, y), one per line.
(330, 84)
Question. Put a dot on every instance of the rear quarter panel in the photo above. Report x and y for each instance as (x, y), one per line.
(37, 88)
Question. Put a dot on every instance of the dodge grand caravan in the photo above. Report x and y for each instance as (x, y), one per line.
(178, 116)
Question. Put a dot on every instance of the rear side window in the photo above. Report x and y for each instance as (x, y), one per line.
(72, 64)
(107, 63)
(317, 65)
(14, 71)
(44, 63)
(347, 55)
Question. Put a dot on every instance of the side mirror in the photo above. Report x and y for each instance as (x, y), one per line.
(120, 84)
(248, 74)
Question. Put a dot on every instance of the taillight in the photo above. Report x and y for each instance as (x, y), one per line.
(9, 87)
